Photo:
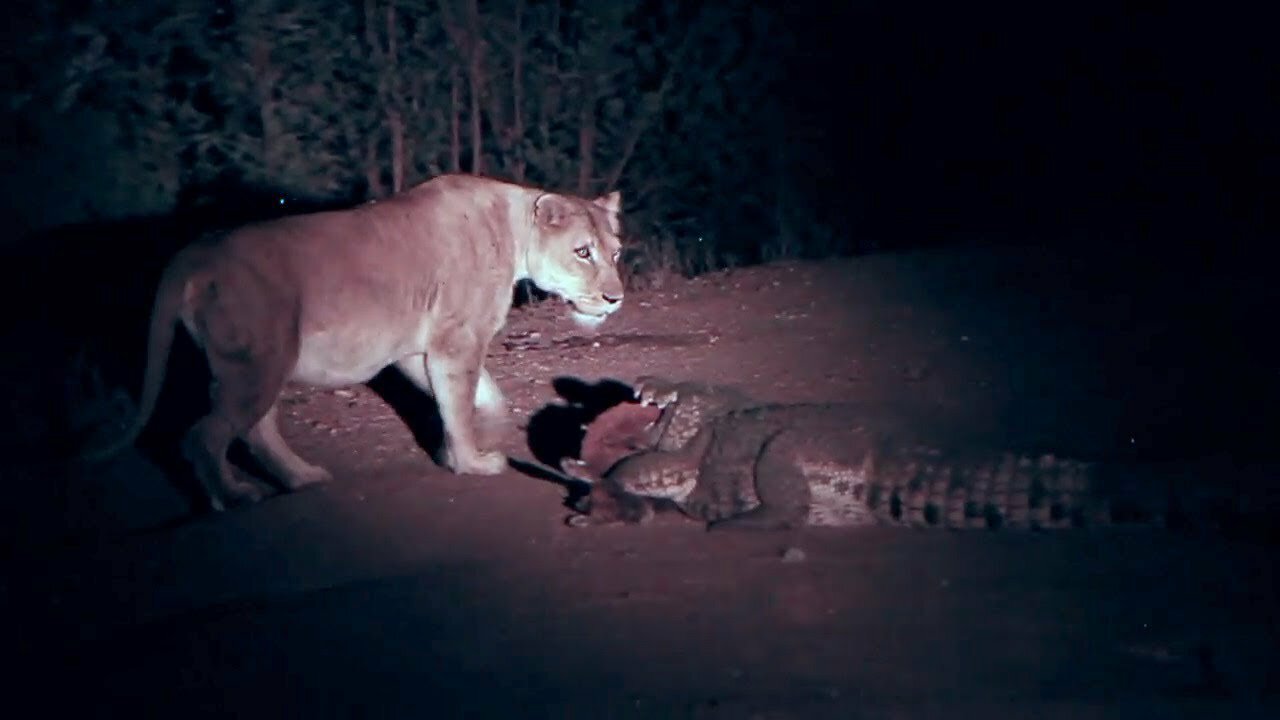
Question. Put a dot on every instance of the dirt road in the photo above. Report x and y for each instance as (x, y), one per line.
(402, 591)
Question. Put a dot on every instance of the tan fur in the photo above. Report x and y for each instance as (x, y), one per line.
(422, 280)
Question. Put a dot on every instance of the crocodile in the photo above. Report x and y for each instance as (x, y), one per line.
(716, 456)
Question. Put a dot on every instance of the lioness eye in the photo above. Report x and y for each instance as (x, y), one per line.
(583, 252)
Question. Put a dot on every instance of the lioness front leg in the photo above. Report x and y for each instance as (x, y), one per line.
(492, 419)
(455, 380)
(490, 405)
(489, 400)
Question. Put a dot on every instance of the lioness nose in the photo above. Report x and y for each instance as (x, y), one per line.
(612, 299)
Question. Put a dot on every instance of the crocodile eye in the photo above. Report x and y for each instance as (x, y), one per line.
(583, 252)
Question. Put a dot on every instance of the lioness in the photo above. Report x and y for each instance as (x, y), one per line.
(422, 280)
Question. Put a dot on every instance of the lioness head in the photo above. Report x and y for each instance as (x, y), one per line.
(574, 253)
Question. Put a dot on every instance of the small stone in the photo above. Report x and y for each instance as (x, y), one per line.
(793, 555)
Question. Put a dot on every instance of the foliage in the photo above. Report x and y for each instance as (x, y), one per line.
(676, 104)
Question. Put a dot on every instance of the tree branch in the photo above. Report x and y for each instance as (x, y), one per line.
(645, 119)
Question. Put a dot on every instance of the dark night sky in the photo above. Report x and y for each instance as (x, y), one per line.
(1026, 117)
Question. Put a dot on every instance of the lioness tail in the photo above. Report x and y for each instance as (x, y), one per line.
(164, 319)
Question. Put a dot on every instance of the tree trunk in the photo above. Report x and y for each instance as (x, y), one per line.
(549, 99)
(373, 159)
(475, 78)
(396, 126)
(586, 144)
(455, 122)
(373, 168)
(391, 99)
(264, 79)
(645, 117)
(469, 43)
(517, 94)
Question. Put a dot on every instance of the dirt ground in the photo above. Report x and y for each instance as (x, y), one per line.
(402, 591)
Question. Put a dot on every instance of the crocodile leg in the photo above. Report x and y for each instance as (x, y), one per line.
(781, 487)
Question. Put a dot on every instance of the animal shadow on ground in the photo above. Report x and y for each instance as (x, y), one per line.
(556, 430)
(416, 409)
(420, 411)
(78, 305)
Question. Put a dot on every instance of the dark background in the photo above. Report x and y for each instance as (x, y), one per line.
(1151, 122)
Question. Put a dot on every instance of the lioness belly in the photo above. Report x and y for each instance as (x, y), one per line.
(330, 360)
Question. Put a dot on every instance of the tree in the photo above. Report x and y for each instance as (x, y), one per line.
(673, 103)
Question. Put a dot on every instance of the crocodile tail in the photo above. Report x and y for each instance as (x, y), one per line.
(1046, 492)
(1213, 494)
(926, 488)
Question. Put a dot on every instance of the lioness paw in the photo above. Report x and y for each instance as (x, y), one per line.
(484, 462)
(241, 493)
(313, 475)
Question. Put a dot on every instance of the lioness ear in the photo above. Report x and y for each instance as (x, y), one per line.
(551, 210)
(611, 202)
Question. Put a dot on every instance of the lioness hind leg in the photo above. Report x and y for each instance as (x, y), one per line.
(205, 447)
(248, 363)
(455, 382)
(242, 394)
(269, 448)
